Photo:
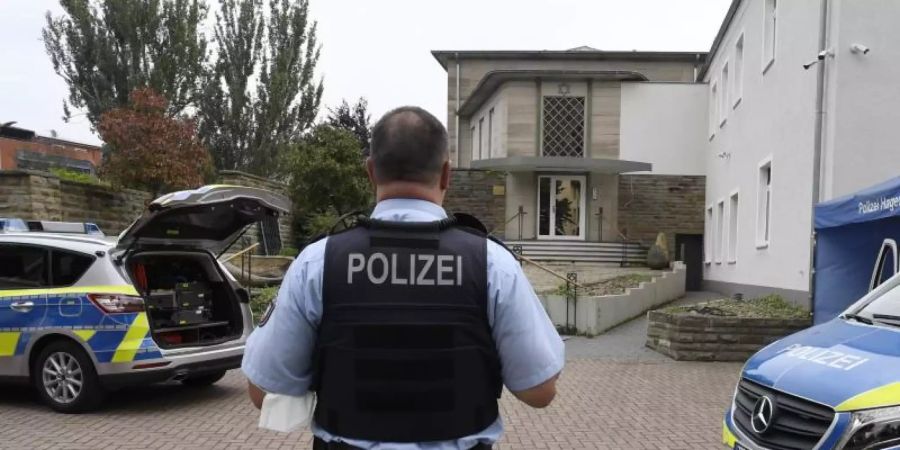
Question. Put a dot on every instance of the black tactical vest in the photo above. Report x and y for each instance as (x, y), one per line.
(404, 350)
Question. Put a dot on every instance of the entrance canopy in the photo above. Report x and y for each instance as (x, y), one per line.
(856, 246)
(561, 164)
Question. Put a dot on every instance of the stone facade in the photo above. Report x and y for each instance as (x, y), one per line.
(34, 195)
(38, 195)
(479, 193)
(650, 204)
(686, 337)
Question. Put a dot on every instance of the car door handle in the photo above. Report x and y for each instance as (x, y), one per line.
(22, 307)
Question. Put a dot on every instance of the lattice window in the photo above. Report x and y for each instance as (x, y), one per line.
(563, 126)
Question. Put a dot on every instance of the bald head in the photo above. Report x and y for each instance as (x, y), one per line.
(409, 144)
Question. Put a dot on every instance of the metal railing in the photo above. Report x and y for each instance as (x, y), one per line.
(520, 214)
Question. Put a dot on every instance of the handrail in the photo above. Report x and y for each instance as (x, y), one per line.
(519, 213)
(548, 270)
(240, 253)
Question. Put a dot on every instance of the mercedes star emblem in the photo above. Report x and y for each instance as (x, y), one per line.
(763, 413)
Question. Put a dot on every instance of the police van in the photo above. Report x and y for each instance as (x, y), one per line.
(832, 386)
(81, 315)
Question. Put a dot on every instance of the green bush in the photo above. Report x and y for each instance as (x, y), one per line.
(289, 251)
(261, 299)
(76, 176)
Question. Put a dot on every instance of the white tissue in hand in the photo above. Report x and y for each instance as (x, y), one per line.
(286, 413)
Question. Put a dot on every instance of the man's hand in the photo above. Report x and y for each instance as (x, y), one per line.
(539, 396)
(256, 395)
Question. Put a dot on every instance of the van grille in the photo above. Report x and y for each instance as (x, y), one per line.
(797, 424)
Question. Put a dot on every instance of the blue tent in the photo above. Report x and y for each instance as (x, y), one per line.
(856, 237)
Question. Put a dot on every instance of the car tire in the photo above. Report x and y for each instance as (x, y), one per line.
(204, 380)
(66, 379)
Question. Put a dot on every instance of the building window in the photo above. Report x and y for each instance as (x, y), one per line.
(708, 236)
(475, 141)
(732, 227)
(737, 82)
(723, 109)
(713, 108)
(563, 126)
(491, 133)
(769, 33)
(720, 231)
(481, 138)
(764, 205)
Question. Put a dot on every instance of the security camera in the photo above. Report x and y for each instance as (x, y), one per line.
(859, 48)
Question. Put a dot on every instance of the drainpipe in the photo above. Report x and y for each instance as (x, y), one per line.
(458, 133)
(819, 144)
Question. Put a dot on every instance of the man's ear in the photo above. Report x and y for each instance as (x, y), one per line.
(370, 170)
(445, 176)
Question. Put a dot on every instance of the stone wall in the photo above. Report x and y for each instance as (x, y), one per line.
(480, 193)
(686, 337)
(41, 196)
(650, 204)
(32, 195)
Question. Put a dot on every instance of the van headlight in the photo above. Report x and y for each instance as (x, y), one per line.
(874, 429)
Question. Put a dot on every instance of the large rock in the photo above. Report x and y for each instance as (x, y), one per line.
(658, 255)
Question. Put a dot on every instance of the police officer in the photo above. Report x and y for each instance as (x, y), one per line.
(407, 325)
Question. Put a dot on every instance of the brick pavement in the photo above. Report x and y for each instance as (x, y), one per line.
(609, 398)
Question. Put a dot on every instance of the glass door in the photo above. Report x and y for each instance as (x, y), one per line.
(561, 207)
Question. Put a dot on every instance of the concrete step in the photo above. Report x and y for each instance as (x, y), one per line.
(583, 252)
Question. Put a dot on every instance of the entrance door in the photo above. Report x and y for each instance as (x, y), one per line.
(689, 249)
(561, 206)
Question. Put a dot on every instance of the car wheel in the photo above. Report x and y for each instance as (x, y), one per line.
(204, 380)
(66, 379)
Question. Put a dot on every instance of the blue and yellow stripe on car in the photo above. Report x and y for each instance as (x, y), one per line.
(116, 338)
(122, 289)
(887, 395)
(9, 341)
(728, 438)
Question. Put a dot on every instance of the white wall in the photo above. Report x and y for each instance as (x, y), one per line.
(664, 124)
(774, 117)
(863, 109)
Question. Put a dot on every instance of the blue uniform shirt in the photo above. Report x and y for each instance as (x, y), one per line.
(278, 356)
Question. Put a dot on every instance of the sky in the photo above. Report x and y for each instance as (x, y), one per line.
(380, 50)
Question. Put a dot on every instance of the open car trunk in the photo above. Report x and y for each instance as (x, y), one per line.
(189, 301)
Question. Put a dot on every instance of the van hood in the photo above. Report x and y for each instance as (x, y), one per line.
(208, 218)
(845, 365)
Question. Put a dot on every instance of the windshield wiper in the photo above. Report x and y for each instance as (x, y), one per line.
(858, 318)
(886, 317)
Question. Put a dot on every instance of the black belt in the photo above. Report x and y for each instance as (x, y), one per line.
(319, 444)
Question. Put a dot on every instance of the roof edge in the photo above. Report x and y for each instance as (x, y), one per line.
(444, 56)
(720, 36)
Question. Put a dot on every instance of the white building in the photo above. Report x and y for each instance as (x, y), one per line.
(801, 108)
(796, 103)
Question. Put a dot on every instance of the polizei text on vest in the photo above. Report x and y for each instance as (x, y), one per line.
(405, 270)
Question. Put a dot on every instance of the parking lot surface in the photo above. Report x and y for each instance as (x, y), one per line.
(613, 394)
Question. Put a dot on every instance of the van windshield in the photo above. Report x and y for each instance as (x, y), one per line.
(885, 308)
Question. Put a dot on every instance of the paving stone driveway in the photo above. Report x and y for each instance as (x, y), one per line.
(613, 395)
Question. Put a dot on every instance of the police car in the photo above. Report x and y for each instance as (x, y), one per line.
(81, 315)
(832, 386)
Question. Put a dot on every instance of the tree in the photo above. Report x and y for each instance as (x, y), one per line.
(151, 150)
(328, 179)
(355, 119)
(105, 49)
(274, 53)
